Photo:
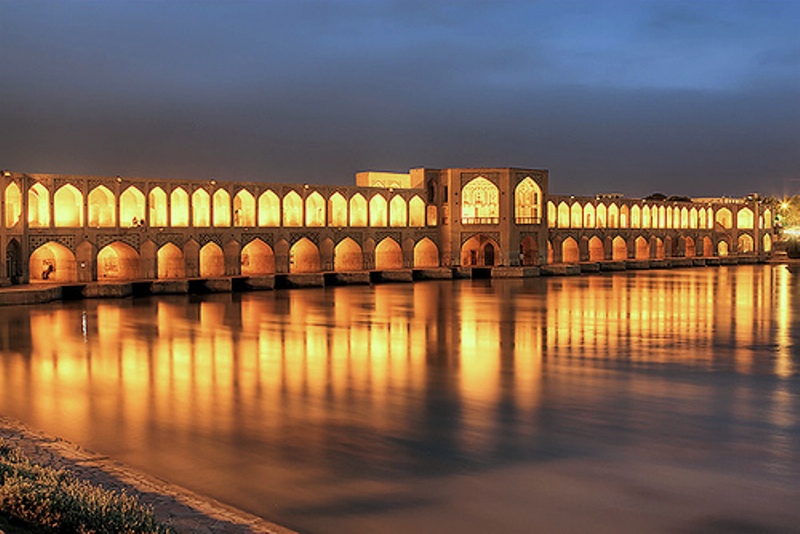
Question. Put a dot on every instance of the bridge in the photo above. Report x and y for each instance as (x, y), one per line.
(76, 229)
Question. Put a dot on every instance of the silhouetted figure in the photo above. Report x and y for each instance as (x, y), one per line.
(47, 271)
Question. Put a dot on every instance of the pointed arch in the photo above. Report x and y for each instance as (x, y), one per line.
(244, 209)
(724, 219)
(257, 258)
(358, 210)
(293, 211)
(179, 207)
(52, 262)
(337, 210)
(348, 256)
(201, 208)
(693, 218)
(589, 219)
(636, 216)
(619, 249)
(529, 251)
(480, 251)
(118, 261)
(613, 216)
(304, 257)
(38, 206)
(269, 209)
(388, 255)
(212, 260)
(527, 202)
(416, 212)
(101, 208)
(624, 216)
(398, 212)
(171, 263)
(746, 244)
(745, 220)
(563, 215)
(222, 208)
(576, 215)
(68, 207)
(647, 221)
(767, 243)
(315, 210)
(131, 207)
(426, 253)
(480, 202)
(596, 249)
(13, 204)
(642, 248)
(157, 199)
(377, 211)
(601, 215)
(569, 251)
(552, 214)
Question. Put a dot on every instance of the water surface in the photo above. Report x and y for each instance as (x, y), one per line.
(659, 400)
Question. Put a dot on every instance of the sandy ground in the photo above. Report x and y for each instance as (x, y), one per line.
(185, 510)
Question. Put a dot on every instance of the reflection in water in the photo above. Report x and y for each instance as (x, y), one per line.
(319, 408)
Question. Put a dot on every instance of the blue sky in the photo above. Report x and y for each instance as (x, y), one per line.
(695, 98)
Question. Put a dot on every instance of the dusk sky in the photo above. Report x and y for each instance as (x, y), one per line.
(696, 97)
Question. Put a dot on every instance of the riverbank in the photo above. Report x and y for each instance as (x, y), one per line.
(41, 293)
(186, 511)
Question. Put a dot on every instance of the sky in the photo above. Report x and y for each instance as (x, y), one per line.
(692, 98)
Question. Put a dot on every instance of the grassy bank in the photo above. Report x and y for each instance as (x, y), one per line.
(43, 499)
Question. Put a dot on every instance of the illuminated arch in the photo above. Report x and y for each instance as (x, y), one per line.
(101, 208)
(589, 219)
(480, 250)
(68, 207)
(171, 262)
(131, 207)
(527, 202)
(619, 249)
(746, 244)
(684, 217)
(636, 216)
(348, 256)
(269, 209)
(480, 202)
(600, 214)
(569, 251)
(724, 219)
(659, 248)
(358, 210)
(647, 221)
(212, 260)
(745, 219)
(613, 216)
(337, 210)
(293, 212)
(642, 248)
(52, 262)
(158, 207)
(13, 204)
(222, 208)
(767, 217)
(723, 249)
(257, 258)
(377, 211)
(304, 257)
(596, 249)
(38, 206)
(767, 243)
(529, 251)
(576, 215)
(388, 255)
(563, 215)
(201, 208)
(710, 218)
(701, 218)
(689, 248)
(179, 207)
(315, 210)
(118, 261)
(398, 212)
(244, 209)
(426, 254)
(551, 214)
(708, 246)
(693, 218)
(416, 211)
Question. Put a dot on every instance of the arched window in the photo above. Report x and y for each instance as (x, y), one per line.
(416, 211)
(102, 208)
(315, 210)
(13, 204)
(179, 208)
(724, 218)
(68, 207)
(745, 220)
(358, 210)
(131, 207)
(588, 215)
(292, 209)
(563, 215)
(222, 208)
(576, 212)
(377, 211)
(527, 202)
(269, 209)
(201, 208)
(158, 207)
(480, 202)
(244, 208)
(398, 211)
(38, 206)
(636, 216)
(551, 214)
(337, 210)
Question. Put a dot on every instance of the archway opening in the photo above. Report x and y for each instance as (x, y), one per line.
(527, 202)
(474, 251)
(269, 209)
(131, 208)
(388, 255)
(569, 251)
(68, 207)
(171, 262)
(642, 248)
(480, 202)
(201, 208)
(13, 198)
(257, 258)
(659, 248)
(52, 262)
(14, 261)
(347, 256)
(426, 254)
(596, 250)
(690, 250)
(292, 209)
(212, 260)
(118, 261)
(746, 244)
(722, 248)
(767, 240)
(102, 213)
(158, 207)
(528, 251)
(38, 206)
(244, 209)
(222, 208)
(304, 257)
(708, 247)
(619, 249)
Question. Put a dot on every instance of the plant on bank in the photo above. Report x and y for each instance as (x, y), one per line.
(56, 500)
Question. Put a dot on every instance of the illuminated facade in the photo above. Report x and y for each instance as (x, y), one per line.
(61, 228)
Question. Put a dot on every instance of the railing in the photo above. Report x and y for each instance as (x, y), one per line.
(480, 220)
(528, 220)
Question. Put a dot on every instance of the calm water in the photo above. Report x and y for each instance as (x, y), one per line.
(658, 401)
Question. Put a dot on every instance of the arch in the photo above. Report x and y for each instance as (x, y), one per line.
(684, 217)
(178, 208)
(624, 216)
(636, 216)
(701, 218)
(474, 251)
(613, 216)
(101, 208)
(659, 248)
(244, 209)
(52, 262)
(14, 261)
(315, 210)
(662, 217)
(576, 215)
(723, 219)
(426, 253)
(416, 211)
(269, 209)
(171, 263)
(552, 214)
(201, 208)
(528, 251)
(398, 212)
(746, 244)
(647, 220)
(723, 249)
(326, 253)
(596, 250)
(767, 217)
(708, 246)
(131, 207)
(347, 256)
(745, 219)
(619, 249)
(388, 255)
(222, 208)
(13, 204)
(550, 252)
(767, 243)
(689, 248)
(377, 211)
(68, 207)
(710, 218)
(642, 248)
(693, 218)
(38, 206)
(601, 216)
(563, 215)
(337, 210)
(569, 251)
(212, 260)
(293, 212)
(589, 219)
(257, 258)
(480, 202)
(304, 256)
(118, 261)
(158, 207)
(527, 202)
(358, 210)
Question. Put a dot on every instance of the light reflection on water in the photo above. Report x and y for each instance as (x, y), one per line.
(435, 405)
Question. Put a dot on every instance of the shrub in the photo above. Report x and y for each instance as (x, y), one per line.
(56, 500)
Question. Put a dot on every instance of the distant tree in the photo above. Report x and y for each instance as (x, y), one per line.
(656, 196)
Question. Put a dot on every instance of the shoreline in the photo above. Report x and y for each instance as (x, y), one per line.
(185, 510)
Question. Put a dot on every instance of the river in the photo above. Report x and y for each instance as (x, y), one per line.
(660, 401)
